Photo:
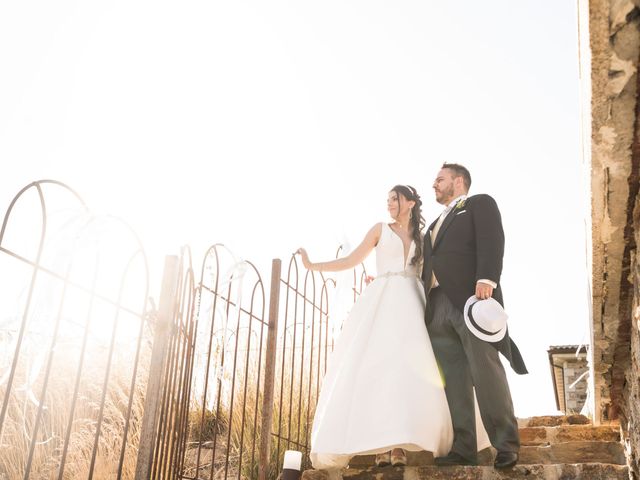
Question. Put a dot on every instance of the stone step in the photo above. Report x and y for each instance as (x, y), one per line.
(553, 421)
(568, 433)
(611, 452)
(574, 452)
(591, 471)
(413, 459)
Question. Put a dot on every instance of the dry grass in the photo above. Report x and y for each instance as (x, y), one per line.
(234, 432)
(226, 442)
(232, 417)
(233, 429)
(53, 425)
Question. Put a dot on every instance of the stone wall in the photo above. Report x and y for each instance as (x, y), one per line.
(576, 396)
(615, 46)
(614, 51)
(631, 409)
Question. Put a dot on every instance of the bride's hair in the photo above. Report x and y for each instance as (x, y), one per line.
(417, 220)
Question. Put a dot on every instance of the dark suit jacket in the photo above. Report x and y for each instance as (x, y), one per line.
(469, 247)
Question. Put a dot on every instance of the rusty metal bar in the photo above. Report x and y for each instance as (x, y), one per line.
(76, 388)
(183, 395)
(173, 386)
(132, 387)
(284, 347)
(71, 283)
(232, 303)
(233, 391)
(222, 358)
(169, 443)
(161, 429)
(313, 331)
(207, 369)
(191, 347)
(45, 383)
(297, 444)
(168, 410)
(304, 331)
(256, 407)
(324, 298)
(180, 356)
(324, 286)
(246, 375)
(211, 334)
(160, 344)
(163, 460)
(270, 370)
(105, 388)
(293, 365)
(25, 316)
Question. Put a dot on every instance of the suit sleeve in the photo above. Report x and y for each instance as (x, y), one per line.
(489, 238)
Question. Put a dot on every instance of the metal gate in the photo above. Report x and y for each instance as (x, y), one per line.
(95, 383)
(248, 383)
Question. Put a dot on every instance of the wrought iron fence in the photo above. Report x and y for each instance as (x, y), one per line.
(307, 328)
(164, 429)
(252, 382)
(230, 355)
(213, 371)
(215, 384)
(74, 338)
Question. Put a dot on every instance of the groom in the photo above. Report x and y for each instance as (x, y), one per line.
(463, 251)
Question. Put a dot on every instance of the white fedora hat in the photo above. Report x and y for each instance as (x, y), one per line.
(486, 319)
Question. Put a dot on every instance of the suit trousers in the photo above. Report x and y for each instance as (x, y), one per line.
(467, 362)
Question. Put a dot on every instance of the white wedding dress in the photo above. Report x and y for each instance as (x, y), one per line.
(382, 388)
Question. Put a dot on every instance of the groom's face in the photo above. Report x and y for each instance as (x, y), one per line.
(444, 186)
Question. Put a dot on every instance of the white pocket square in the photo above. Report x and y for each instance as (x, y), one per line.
(460, 213)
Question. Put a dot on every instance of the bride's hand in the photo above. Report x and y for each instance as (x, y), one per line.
(304, 257)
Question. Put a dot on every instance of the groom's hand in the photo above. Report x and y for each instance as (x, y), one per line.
(483, 290)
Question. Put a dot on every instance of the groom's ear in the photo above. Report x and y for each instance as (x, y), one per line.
(459, 186)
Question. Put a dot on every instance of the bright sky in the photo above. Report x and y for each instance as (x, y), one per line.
(271, 125)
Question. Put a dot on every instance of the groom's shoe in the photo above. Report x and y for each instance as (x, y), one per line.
(505, 460)
(453, 458)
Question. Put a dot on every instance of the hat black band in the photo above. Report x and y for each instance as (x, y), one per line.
(473, 322)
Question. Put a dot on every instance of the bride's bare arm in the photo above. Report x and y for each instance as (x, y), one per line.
(356, 257)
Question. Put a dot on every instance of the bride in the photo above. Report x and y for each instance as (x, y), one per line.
(382, 392)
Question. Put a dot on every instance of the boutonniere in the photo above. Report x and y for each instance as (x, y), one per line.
(460, 204)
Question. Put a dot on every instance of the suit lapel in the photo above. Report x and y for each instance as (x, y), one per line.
(443, 228)
(430, 229)
(427, 242)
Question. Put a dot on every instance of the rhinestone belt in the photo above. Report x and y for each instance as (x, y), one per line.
(403, 273)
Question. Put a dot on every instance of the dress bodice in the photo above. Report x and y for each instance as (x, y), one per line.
(390, 254)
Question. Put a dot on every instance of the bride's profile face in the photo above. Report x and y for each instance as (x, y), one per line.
(396, 204)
